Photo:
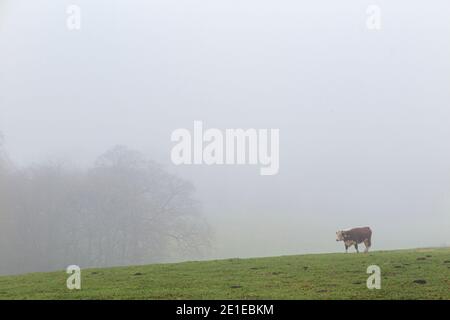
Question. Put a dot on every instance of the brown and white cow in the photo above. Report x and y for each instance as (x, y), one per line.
(354, 237)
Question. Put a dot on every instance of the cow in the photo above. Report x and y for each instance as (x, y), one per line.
(354, 237)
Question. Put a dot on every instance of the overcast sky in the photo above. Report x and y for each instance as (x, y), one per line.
(364, 115)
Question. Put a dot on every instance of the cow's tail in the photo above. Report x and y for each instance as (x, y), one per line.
(369, 239)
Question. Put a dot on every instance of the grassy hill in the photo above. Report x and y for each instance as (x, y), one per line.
(316, 276)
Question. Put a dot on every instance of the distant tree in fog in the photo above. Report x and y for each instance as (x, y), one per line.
(144, 212)
(4, 160)
(124, 210)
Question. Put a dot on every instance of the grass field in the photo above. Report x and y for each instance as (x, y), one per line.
(317, 276)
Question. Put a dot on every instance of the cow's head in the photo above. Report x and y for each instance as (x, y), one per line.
(340, 236)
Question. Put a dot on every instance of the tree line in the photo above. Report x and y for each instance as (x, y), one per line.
(123, 210)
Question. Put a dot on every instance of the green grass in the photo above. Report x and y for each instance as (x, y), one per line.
(316, 276)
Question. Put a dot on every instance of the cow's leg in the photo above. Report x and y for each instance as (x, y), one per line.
(346, 248)
(367, 244)
(356, 247)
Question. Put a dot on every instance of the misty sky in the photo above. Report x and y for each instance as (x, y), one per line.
(364, 116)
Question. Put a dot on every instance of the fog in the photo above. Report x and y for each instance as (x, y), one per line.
(363, 115)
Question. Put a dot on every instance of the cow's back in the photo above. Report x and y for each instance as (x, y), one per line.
(360, 234)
